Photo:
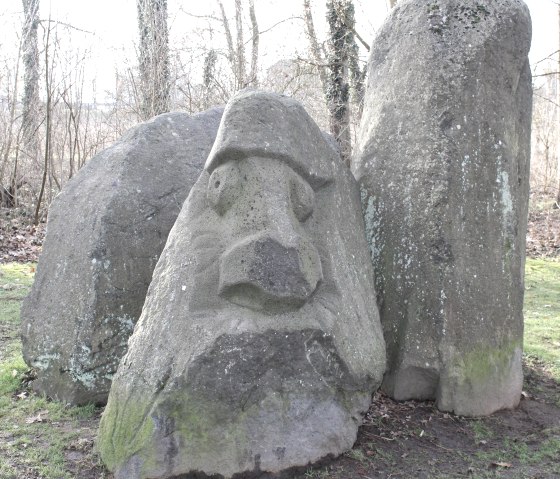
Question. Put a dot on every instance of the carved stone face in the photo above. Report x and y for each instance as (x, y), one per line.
(271, 263)
(260, 321)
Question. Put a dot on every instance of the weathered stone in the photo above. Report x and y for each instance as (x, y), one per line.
(259, 344)
(106, 231)
(443, 164)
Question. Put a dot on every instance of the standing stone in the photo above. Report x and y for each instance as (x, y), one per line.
(106, 231)
(443, 163)
(259, 344)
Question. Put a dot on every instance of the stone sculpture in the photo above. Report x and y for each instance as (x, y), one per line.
(443, 163)
(106, 231)
(259, 344)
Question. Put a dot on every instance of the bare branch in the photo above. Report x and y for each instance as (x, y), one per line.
(68, 25)
(297, 17)
(342, 17)
(545, 98)
(548, 57)
(203, 17)
(546, 74)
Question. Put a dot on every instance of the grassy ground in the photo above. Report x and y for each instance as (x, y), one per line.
(38, 438)
(41, 439)
(542, 313)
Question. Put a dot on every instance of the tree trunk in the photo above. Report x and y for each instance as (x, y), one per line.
(558, 116)
(314, 45)
(341, 40)
(155, 84)
(340, 70)
(6, 147)
(237, 56)
(240, 47)
(31, 103)
(253, 79)
(48, 131)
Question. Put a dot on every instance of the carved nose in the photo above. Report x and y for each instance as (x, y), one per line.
(261, 273)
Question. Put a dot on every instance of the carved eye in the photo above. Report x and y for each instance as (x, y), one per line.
(223, 187)
(302, 197)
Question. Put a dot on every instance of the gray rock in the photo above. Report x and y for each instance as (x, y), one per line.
(259, 344)
(443, 164)
(106, 231)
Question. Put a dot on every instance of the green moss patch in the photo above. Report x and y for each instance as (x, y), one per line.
(485, 364)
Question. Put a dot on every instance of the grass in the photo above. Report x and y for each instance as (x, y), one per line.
(36, 435)
(542, 313)
(481, 431)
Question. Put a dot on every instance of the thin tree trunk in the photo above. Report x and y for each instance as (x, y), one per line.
(240, 50)
(9, 136)
(558, 117)
(232, 53)
(338, 93)
(48, 129)
(155, 88)
(314, 45)
(31, 102)
(229, 38)
(338, 69)
(255, 41)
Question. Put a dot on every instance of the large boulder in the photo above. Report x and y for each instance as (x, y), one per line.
(106, 231)
(259, 344)
(443, 163)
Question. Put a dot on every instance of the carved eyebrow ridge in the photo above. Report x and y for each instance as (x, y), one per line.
(315, 179)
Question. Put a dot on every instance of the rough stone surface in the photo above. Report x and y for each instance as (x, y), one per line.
(259, 344)
(106, 231)
(443, 164)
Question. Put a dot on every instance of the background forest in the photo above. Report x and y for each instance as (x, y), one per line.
(65, 94)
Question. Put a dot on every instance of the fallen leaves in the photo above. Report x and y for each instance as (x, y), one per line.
(543, 233)
(41, 416)
(19, 240)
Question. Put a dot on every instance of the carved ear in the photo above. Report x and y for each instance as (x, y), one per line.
(302, 198)
(224, 186)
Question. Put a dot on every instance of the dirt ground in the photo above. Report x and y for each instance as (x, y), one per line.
(415, 440)
(408, 440)
(412, 440)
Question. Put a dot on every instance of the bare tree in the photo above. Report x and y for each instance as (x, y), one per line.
(31, 102)
(558, 115)
(48, 85)
(154, 89)
(7, 193)
(12, 133)
(236, 52)
(338, 89)
(338, 68)
(255, 44)
(545, 129)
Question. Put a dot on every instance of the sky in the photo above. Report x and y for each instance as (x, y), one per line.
(111, 26)
(114, 21)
